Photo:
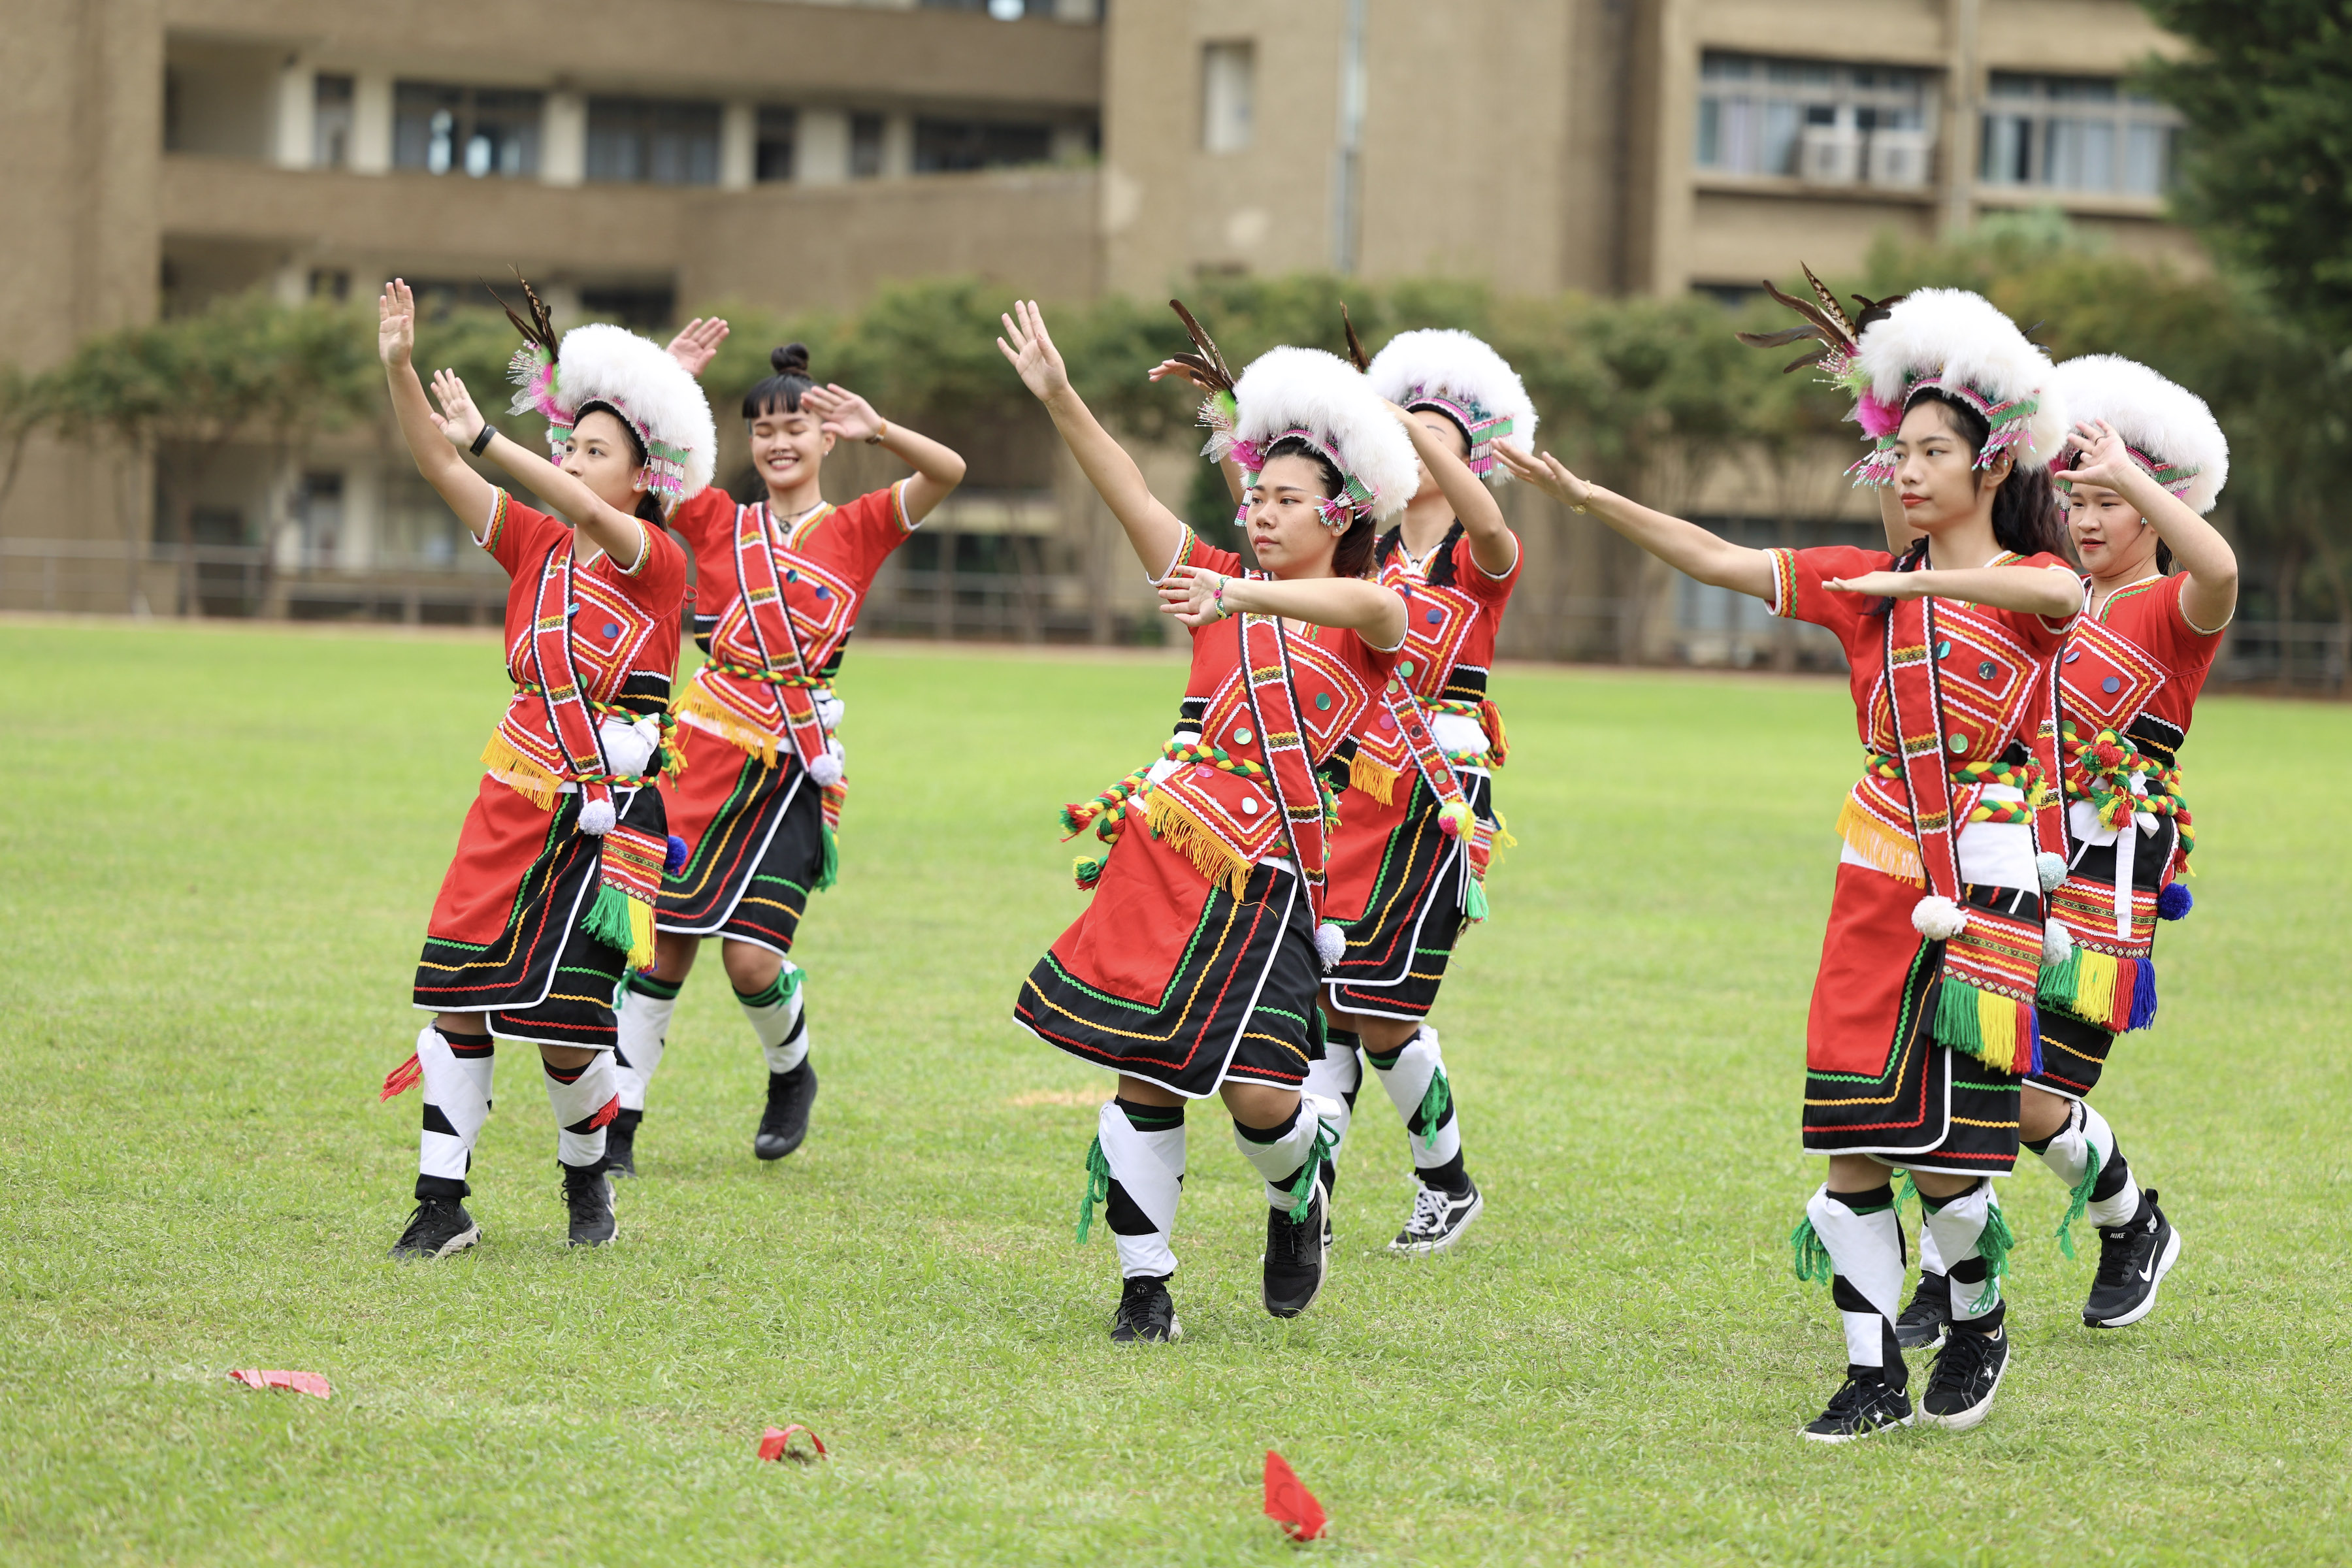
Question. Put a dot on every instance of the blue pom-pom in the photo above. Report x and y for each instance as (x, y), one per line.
(2174, 901)
(674, 857)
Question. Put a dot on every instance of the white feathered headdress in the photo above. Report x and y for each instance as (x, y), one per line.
(1944, 339)
(1464, 379)
(1320, 399)
(633, 375)
(2169, 430)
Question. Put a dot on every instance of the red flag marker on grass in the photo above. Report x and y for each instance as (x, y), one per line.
(776, 1443)
(1289, 1503)
(308, 1382)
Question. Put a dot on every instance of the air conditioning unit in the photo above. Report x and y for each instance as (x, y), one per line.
(1828, 155)
(1900, 158)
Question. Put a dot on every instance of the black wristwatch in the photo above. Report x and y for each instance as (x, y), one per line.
(482, 441)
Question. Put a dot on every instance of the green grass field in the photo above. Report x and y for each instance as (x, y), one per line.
(219, 855)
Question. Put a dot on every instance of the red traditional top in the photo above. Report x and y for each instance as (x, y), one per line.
(2159, 670)
(1453, 609)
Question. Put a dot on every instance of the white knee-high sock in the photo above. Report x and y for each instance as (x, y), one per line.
(457, 1103)
(1865, 1243)
(1338, 1078)
(1931, 1260)
(780, 1018)
(1417, 1085)
(1285, 1155)
(644, 1014)
(1974, 1240)
(1143, 1145)
(584, 1100)
(2109, 1195)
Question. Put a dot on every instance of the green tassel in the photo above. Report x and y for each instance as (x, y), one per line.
(2060, 982)
(1905, 1193)
(1474, 902)
(2078, 1198)
(607, 918)
(1302, 1191)
(1098, 1188)
(1956, 1023)
(1435, 1103)
(1812, 1260)
(832, 871)
(1993, 1245)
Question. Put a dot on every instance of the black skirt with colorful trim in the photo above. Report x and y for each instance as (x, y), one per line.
(754, 833)
(2075, 1049)
(1398, 947)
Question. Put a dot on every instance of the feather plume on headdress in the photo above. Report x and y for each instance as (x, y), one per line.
(1464, 379)
(1318, 398)
(2170, 432)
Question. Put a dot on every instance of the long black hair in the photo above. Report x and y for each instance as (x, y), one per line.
(2026, 517)
(780, 392)
(2073, 455)
(1352, 556)
(648, 509)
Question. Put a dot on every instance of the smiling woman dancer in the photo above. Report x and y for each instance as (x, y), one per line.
(2148, 459)
(552, 891)
(1195, 968)
(1418, 823)
(779, 584)
(1922, 1020)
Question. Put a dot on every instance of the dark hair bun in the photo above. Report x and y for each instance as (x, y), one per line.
(790, 360)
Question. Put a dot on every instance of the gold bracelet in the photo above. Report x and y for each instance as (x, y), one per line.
(1580, 508)
(876, 440)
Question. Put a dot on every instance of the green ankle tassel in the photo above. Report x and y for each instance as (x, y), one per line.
(2078, 1198)
(1812, 1260)
(1993, 1245)
(1434, 1104)
(1474, 902)
(1098, 1188)
(1302, 1191)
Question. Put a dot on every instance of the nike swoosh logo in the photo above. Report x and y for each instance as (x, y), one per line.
(2149, 1269)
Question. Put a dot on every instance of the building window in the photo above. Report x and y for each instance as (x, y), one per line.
(772, 145)
(640, 307)
(648, 141)
(2078, 133)
(478, 131)
(330, 122)
(1824, 122)
(1228, 95)
(865, 146)
(1003, 10)
(944, 145)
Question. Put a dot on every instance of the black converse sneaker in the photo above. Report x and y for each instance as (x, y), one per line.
(1439, 1219)
(1923, 1322)
(588, 1194)
(438, 1227)
(1967, 1370)
(2134, 1258)
(1296, 1256)
(1146, 1314)
(785, 1123)
(1864, 1405)
(621, 1143)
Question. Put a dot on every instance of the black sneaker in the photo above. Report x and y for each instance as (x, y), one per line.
(438, 1227)
(1146, 1314)
(1439, 1219)
(1864, 1406)
(1923, 1322)
(1296, 1256)
(2134, 1258)
(785, 1123)
(1962, 1384)
(621, 1143)
(588, 1194)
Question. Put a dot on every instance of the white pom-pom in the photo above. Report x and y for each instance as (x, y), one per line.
(2057, 941)
(2051, 869)
(826, 770)
(1939, 919)
(596, 818)
(829, 710)
(1331, 943)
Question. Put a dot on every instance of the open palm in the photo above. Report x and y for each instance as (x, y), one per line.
(1031, 349)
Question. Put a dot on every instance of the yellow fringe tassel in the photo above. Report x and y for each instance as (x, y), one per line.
(707, 714)
(1892, 853)
(523, 774)
(1375, 780)
(641, 935)
(1997, 1018)
(1189, 836)
(2095, 985)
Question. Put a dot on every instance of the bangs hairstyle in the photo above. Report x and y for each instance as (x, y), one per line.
(2026, 517)
(2066, 460)
(1352, 556)
(649, 506)
(780, 392)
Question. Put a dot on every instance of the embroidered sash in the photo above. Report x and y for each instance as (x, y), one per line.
(537, 758)
(1290, 768)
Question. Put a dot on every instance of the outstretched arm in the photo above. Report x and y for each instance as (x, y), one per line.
(1197, 596)
(849, 418)
(2053, 592)
(1684, 546)
(1151, 527)
(2210, 596)
(1492, 543)
(469, 495)
(610, 530)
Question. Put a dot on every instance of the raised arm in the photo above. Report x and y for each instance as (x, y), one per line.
(2209, 597)
(1151, 527)
(610, 530)
(1492, 543)
(1684, 546)
(1197, 596)
(469, 495)
(846, 417)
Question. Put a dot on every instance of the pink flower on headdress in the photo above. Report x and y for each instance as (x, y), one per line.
(1877, 418)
